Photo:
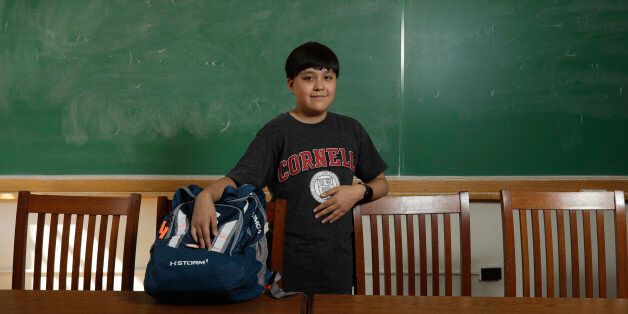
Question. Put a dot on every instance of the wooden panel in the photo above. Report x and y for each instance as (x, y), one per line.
(61, 204)
(407, 205)
(563, 200)
(480, 188)
(465, 245)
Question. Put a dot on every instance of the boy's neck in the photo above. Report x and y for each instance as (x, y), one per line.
(309, 119)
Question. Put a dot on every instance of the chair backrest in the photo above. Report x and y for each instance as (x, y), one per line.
(73, 211)
(554, 208)
(275, 216)
(419, 208)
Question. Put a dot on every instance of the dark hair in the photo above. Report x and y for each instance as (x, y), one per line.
(311, 55)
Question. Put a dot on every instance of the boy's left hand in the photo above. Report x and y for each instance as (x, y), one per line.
(342, 199)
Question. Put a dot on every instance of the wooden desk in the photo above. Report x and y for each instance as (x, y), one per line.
(29, 301)
(347, 304)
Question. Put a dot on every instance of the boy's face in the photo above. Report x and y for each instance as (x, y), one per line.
(314, 90)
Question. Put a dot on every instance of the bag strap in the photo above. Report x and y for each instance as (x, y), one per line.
(273, 288)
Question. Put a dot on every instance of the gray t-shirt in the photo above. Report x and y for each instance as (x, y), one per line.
(299, 161)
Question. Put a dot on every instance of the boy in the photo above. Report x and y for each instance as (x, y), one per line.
(309, 157)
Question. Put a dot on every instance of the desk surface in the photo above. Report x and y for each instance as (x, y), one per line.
(346, 304)
(28, 301)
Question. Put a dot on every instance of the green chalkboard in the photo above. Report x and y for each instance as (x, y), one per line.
(515, 88)
(443, 87)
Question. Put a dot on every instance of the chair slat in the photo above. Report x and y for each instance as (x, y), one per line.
(447, 243)
(387, 268)
(76, 256)
(525, 259)
(398, 256)
(423, 254)
(52, 246)
(359, 250)
(562, 255)
(375, 254)
(89, 240)
(100, 259)
(588, 259)
(39, 239)
(601, 253)
(65, 243)
(549, 253)
(536, 250)
(575, 262)
(411, 261)
(621, 243)
(465, 245)
(435, 258)
(508, 232)
(111, 261)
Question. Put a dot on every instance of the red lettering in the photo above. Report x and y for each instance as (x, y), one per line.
(345, 162)
(352, 160)
(282, 176)
(333, 157)
(293, 165)
(306, 160)
(319, 158)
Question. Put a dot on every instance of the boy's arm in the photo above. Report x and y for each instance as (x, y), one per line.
(344, 197)
(204, 216)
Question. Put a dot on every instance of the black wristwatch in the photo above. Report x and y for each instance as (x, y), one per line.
(368, 194)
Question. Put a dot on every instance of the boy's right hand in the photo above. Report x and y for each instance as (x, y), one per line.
(203, 219)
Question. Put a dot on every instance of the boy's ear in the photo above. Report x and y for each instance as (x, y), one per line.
(290, 83)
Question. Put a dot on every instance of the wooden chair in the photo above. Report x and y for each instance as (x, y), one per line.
(429, 207)
(275, 215)
(592, 206)
(79, 207)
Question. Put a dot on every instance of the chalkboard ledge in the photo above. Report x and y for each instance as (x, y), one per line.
(480, 188)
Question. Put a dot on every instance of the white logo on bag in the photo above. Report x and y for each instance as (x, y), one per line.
(188, 263)
(257, 224)
(322, 182)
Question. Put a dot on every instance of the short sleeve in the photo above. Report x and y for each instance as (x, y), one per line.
(369, 163)
(256, 165)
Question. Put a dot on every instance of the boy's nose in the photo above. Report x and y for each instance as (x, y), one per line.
(319, 85)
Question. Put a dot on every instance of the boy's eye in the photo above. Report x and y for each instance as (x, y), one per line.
(329, 77)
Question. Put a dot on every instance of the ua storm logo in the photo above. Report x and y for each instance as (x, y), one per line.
(322, 182)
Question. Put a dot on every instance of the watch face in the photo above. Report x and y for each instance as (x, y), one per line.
(368, 193)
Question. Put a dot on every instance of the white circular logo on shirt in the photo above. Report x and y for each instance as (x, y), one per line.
(322, 182)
